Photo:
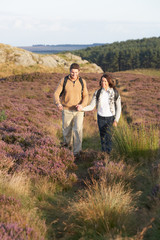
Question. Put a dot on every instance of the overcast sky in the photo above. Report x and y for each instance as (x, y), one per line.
(24, 23)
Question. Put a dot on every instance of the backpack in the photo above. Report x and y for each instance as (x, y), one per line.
(116, 94)
(65, 81)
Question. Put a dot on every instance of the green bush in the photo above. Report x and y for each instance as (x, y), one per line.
(2, 116)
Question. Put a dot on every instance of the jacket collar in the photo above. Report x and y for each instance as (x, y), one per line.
(109, 90)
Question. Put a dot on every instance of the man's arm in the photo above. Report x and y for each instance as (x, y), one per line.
(56, 98)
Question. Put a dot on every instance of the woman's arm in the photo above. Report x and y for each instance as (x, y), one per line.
(118, 109)
(92, 104)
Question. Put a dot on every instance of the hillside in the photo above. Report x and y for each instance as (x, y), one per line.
(140, 95)
(16, 61)
(47, 194)
(125, 55)
(139, 92)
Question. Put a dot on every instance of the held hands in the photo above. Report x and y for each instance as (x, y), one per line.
(60, 107)
(79, 108)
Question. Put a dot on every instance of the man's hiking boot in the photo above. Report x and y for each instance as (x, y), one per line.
(65, 145)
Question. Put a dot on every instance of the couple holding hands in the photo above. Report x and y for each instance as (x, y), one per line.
(71, 97)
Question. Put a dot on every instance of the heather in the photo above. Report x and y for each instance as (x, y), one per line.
(47, 194)
(24, 135)
(16, 220)
(140, 94)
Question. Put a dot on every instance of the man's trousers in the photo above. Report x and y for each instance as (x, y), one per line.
(72, 128)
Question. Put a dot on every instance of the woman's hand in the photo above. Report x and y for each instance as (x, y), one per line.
(115, 124)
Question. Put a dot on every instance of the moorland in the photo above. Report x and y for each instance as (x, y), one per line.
(45, 193)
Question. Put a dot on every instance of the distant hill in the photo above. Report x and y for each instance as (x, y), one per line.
(125, 55)
(16, 61)
(53, 49)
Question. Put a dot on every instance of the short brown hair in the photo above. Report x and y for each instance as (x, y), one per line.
(74, 66)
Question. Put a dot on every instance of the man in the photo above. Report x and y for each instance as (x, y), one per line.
(74, 93)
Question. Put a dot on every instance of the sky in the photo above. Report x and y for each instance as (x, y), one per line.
(52, 22)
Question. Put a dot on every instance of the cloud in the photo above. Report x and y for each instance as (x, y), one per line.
(12, 22)
(21, 30)
(18, 23)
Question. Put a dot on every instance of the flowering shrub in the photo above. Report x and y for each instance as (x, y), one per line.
(14, 223)
(47, 161)
(98, 169)
(4, 200)
(35, 154)
(139, 104)
(30, 126)
(111, 170)
(25, 144)
(12, 231)
(6, 162)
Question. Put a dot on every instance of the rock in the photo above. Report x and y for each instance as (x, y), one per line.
(49, 61)
(24, 58)
(21, 57)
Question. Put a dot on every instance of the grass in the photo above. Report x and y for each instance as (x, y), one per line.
(137, 142)
(148, 72)
(8, 69)
(18, 206)
(2, 116)
(91, 138)
(103, 208)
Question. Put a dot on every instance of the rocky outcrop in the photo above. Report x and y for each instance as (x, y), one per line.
(18, 56)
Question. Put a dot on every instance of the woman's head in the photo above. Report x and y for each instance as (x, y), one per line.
(106, 77)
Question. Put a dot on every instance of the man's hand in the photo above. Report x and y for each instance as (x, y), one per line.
(79, 108)
(115, 124)
(60, 107)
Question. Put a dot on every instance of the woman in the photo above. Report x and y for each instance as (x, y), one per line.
(108, 102)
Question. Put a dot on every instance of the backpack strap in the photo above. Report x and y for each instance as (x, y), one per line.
(81, 81)
(64, 84)
(98, 94)
(116, 94)
(65, 81)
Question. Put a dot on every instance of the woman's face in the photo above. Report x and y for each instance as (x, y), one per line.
(104, 83)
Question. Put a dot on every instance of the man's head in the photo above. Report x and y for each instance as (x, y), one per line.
(74, 71)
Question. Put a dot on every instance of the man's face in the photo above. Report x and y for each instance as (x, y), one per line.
(74, 74)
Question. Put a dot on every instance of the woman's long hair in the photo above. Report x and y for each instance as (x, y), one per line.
(109, 79)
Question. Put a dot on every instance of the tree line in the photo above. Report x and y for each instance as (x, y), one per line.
(125, 55)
